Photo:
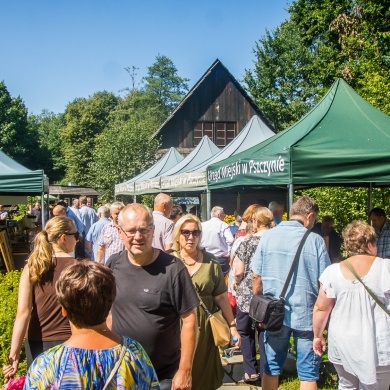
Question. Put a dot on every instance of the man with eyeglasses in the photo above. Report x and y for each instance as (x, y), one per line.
(217, 238)
(156, 301)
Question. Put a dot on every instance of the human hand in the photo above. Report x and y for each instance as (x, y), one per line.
(319, 345)
(234, 335)
(10, 370)
(182, 380)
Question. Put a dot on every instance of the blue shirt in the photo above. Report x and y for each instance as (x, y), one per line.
(79, 225)
(383, 243)
(272, 261)
(88, 217)
(94, 234)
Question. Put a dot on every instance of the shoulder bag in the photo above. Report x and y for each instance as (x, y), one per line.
(373, 296)
(219, 326)
(269, 310)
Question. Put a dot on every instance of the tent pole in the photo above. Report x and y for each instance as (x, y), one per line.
(369, 198)
(238, 205)
(208, 203)
(135, 199)
(290, 195)
(43, 209)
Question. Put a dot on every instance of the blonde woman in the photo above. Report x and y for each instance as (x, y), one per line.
(207, 277)
(39, 313)
(262, 220)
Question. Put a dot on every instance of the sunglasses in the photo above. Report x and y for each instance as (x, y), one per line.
(76, 235)
(187, 233)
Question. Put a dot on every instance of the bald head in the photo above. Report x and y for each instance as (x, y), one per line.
(59, 211)
(137, 209)
(163, 203)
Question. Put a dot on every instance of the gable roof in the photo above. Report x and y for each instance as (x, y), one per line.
(254, 132)
(205, 150)
(169, 160)
(217, 64)
(342, 140)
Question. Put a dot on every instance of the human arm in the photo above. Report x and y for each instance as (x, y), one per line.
(229, 239)
(183, 377)
(321, 312)
(239, 270)
(100, 253)
(223, 303)
(88, 245)
(168, 237)
(22, 319)
(257, 284)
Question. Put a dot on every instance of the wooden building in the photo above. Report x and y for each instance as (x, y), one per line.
(217, 106)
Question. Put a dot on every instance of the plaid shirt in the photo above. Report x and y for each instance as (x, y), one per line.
(109, 238)
(383, 244)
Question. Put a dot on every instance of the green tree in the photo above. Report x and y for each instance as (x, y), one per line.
(281, 82)
(125, 147)
(15, 139)
(48, 126)
(163, 82)
(85, 119)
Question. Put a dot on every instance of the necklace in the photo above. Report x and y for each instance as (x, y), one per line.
(188, 264)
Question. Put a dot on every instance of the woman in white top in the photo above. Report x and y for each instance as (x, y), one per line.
(359, 329)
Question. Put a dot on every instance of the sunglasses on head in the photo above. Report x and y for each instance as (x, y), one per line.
(76, 235)
(187, 233)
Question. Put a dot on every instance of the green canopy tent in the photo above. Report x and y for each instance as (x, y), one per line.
(16, 180)
(343, 140)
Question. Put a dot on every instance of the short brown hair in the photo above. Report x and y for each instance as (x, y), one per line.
(247, 216)
(303, 206)
(357, 235)
(86, 290)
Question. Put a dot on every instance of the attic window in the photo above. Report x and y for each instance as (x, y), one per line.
(221, 133)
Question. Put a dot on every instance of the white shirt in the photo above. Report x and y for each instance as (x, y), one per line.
(217, 237)
(359, 330)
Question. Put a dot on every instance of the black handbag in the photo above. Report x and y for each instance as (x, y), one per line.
(268, 310)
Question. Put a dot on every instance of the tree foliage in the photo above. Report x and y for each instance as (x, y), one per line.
(50, 157)
(163, 82)
(84, 120)
(125, 148)
(15, 138)
(322, 40)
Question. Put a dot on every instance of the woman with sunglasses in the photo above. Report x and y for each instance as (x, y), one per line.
(38, 316)
(207, 277)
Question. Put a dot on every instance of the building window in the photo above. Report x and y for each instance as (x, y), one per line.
(221, 133)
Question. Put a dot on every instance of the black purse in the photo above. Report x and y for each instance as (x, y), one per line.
(269, 310)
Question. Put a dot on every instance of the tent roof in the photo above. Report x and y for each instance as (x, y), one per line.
(17, 179)
(254, 132)
(204, 150)
(342, 140)
(169, 160)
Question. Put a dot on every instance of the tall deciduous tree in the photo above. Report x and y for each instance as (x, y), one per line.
(163, 82)
(85, 119)
(125, 148)
(15, 138)
(48, 126)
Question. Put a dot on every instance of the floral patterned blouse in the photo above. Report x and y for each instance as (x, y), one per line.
(245, 253)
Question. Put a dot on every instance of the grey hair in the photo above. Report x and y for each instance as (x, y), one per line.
(275, 206)
(215, 210)
(104, 211)
(117, 205)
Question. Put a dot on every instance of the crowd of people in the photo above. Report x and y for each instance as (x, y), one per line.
(133, 311)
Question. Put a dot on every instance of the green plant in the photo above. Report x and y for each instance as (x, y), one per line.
(9, 284)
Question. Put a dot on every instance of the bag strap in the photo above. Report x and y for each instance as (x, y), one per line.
(116, 367)
(373, 296)
(294, 264)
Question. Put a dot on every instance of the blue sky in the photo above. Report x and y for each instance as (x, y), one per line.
(53, 51)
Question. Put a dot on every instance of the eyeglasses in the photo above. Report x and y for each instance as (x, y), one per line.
(187, 233)
(76, 235)
(131, 233)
